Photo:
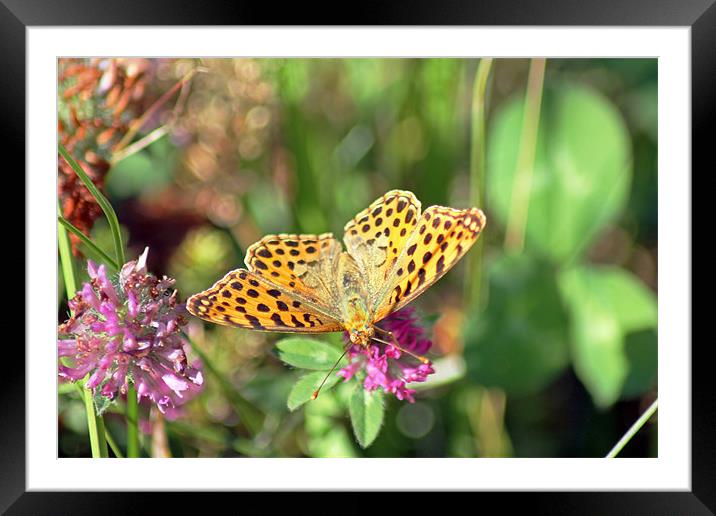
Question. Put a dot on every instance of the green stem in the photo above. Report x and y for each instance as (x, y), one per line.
(140, 144)
(473, 284)
(97, 253)
(95, 423)
(132, 422)
(633, 430)
(101, 200)
(108, 436)
(522, 187)
(251, 416)
(113, 445)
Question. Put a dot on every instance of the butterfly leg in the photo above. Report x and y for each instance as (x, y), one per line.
(395, 343)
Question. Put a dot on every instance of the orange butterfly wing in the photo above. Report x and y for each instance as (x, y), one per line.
(441, 237)
(246, 300)
(302, 264)
(375, 237)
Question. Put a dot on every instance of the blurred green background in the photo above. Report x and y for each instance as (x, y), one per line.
(545, 346)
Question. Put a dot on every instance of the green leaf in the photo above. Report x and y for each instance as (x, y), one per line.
(614, 318)
(366, 410)
(304, 388)
(101, 403)
(582, 171)
(519, 343)
(306, 353)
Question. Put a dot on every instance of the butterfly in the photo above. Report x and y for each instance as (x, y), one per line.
(309, 284)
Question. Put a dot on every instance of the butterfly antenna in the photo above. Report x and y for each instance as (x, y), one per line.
(315, 393)
(395, 343)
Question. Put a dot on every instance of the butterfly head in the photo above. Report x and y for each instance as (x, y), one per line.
(362, 334)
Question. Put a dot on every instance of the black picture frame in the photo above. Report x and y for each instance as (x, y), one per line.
(700, 15)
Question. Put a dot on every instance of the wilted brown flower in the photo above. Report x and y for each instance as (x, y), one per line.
(99, 102)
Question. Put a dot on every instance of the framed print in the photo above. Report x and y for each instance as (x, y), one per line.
(299, 257)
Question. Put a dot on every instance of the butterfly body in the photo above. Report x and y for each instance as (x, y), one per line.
(309, 284)
(354, 309)
(357, 321)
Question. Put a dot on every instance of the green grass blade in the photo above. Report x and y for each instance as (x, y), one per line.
(517, 222)
(113, 445)
(633, 430)
(101, 200)
(97, 254)
(68, 271)
(473, 285)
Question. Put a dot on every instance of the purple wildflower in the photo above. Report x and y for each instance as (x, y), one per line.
(387, 368)
(129, 330)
